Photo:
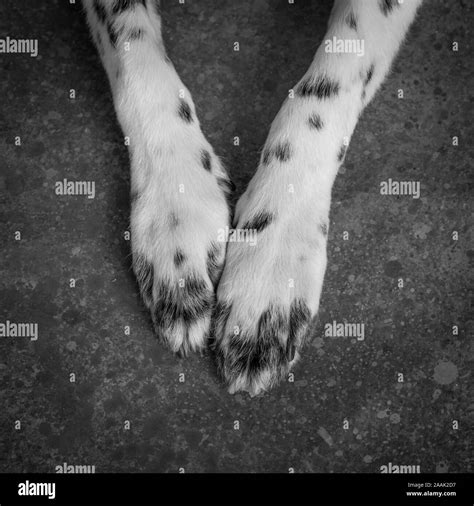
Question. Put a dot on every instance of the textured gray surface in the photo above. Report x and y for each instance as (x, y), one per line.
(118, 377)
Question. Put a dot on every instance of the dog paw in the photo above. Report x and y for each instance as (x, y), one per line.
(267, 297)
(178, 209)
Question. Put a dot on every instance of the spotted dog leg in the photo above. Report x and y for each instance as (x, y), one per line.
(269, 292)
(178, 186)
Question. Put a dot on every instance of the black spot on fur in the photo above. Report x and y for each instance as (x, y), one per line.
(369, 75)
(123, 5)
(100, 12)
(366, 78)
(184, 111)
(322, 88)
(351, 21)
(266, 156)
(268, 350)
(144, 273)
(291, 352)
(251, 356)
(387, 6)
(213, 267)
(283, 151)
(136, 34)
(206, 160)
(300, 317)
(315, 121)
(246, 356)
(260, 221)
(179, 258)
(187, 303)
(342, 153)
(112, 34)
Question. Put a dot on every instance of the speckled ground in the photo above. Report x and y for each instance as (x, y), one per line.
(346, 410)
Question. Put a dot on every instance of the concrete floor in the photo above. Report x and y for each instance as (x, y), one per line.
(190, 425)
